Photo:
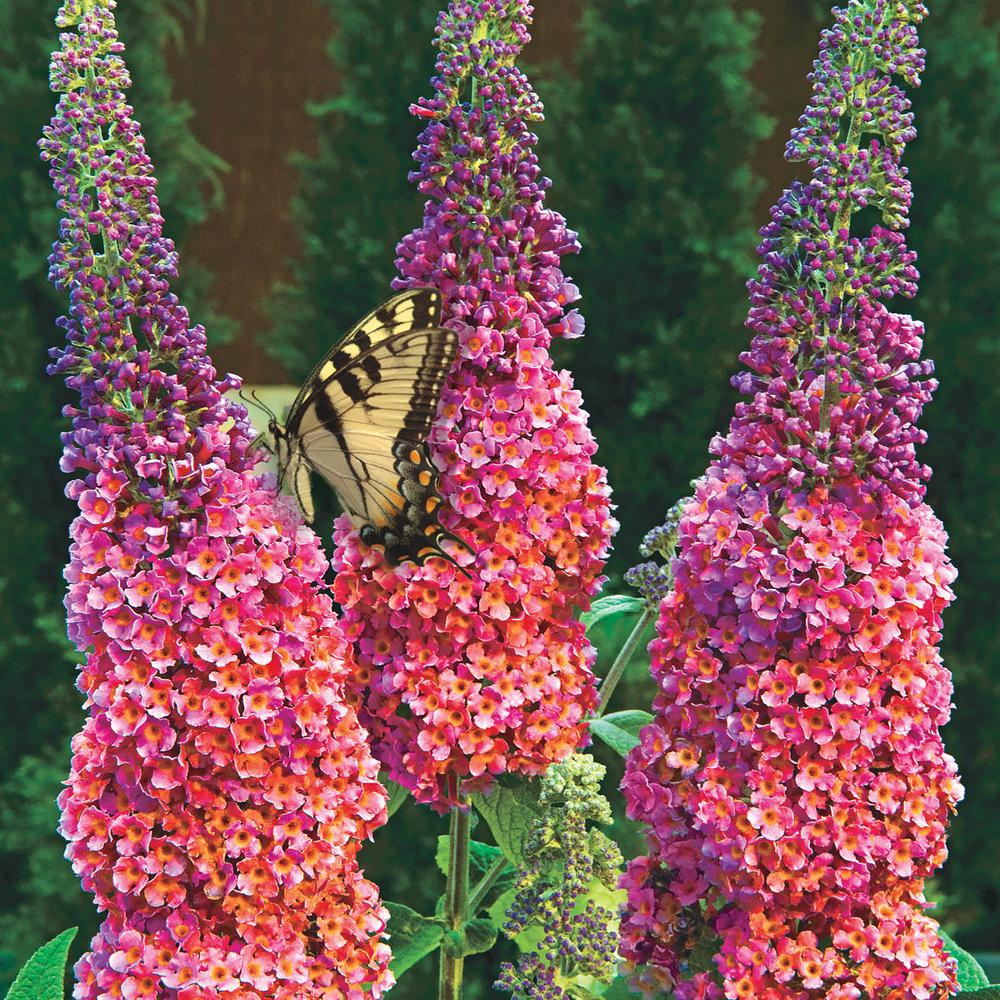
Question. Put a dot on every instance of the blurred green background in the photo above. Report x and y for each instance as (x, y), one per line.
(282, 141)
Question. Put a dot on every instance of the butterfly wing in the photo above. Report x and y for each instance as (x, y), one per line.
(362, 418)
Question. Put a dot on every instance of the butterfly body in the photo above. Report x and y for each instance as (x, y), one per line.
(361, 422)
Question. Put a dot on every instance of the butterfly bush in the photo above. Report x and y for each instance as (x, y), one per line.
(221, 785)
(794, 781)
(473, 672)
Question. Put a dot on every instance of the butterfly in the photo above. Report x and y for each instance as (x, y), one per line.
(361, 421)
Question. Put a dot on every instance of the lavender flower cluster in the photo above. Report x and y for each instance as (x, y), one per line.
(653, 578)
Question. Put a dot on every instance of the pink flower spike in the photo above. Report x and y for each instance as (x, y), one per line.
(518, 477)
(794, 783)
(222, 785)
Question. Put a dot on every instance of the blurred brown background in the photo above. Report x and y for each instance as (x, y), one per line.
(249, 71)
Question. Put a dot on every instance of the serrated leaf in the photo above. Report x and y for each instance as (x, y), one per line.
(509, 813)
(411, 936)
(971, 975)
(43, 976)
(442, 856)
(614, 604)
(620, 730)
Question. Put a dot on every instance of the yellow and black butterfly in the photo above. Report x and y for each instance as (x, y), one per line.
(361, 421)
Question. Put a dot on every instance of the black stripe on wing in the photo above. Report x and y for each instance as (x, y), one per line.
(405, 312)
(382, 383)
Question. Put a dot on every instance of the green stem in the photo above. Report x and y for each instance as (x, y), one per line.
(843, 221)
(456, 896)
(486, 883)
(622, 659)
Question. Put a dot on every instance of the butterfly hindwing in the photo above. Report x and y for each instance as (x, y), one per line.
(417, 533)
(362, 418)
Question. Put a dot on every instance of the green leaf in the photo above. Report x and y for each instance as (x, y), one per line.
(578, 992)
(610, 634)
(397, 796)
(442, 855)
(480, 935)
(615, 604)
(509, 812)
(986, 993)
(701, 958)
(43, 975)
(475, 937)
(620, 730)
(411, 937)
(619, 990)
(970, 973)
(481, 856)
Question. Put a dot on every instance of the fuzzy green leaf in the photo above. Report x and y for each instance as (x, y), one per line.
(970, 973)
(476, 936)
(615, 604)
(509, 812)
(620, 730)
(619, 990)
(43, 975)
(411, 936)
(578, 992)
(986, 993)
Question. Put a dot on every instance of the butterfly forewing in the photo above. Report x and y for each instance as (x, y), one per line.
(362, 419)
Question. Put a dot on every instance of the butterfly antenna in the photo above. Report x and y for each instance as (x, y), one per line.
(259, 403)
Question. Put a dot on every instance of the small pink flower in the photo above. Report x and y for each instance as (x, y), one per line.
(96, 507)
(772, 819)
